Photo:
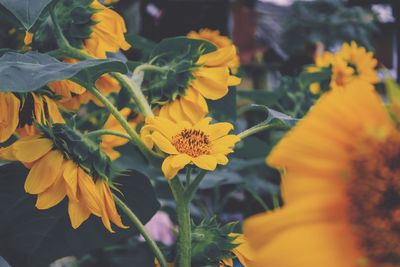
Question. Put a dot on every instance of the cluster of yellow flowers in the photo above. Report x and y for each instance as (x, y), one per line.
(351, 66)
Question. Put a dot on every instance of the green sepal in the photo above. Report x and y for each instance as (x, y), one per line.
(178, 56)
(79, 149)
(211, 242)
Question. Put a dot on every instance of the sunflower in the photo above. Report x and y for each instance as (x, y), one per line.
(219, 41)
(351, 66)
(211, 80)
(340, 187)
(18, 113)
(201, 144)
(64, 177)
(109, 142)
(242, 252)
(108, 34)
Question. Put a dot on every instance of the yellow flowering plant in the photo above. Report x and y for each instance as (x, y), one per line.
(93, 142)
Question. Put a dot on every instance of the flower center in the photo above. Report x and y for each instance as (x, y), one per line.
(375, 200)
(192, 142)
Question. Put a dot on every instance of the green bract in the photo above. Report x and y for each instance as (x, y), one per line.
(179, 56)
(75, 20)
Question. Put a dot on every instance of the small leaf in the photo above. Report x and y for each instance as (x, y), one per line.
(26, 11)
(275, 116)
(32, 70)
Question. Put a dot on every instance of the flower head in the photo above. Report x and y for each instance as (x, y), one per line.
(351, 66)
(56, 172)
(107, 32)
(201, 144)
(20, 111)
(341, 188)
(211, 80)
(242, 252)
(219, 41)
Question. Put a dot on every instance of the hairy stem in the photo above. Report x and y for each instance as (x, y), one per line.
(106, 132)
(183, 213)
(131, 132)
(142, 230)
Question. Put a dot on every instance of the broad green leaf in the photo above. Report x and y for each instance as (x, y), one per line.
(26, 11)
(32, 70)
(145, 46)
(35, 238)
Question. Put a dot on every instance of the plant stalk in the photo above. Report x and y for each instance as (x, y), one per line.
(106, 132)
(142, 230)
(183, 213)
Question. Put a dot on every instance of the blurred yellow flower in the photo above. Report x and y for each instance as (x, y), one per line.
(315, 88)
(108, 32)
(243, 252)
(53, 176)
(28, 38)
(341, 186)
(211, 81)
(351, 66)
(9, 115)
(201, 144)
(219, 41)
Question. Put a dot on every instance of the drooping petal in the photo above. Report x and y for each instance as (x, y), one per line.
(78, 213)
(31, 149)
(219, 57)
(205, 162)
(167, 169)
(9, 115)
(53, 195)
(210, 89)
(89, 195)
(70, 176)
(44, 172)
(180, 161)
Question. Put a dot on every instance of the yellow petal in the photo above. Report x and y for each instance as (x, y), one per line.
(209, 88)
(89, 194)
(78, 213)
(53, 195)
(233, 80)
(218, 130)
(9, 115)
(219, 57)
(163, 143)
(31, 149)
(70, 175)
(110, 204)
(180, 161)
(168, 170)
(221, 159)
(205, 162)
(44, 172)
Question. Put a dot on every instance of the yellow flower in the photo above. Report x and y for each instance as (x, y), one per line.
(53, 176)
(109, 142)
(19, 118)
(74, 95)
(9, 115)
(340, 188)
(107, 34)
(28, 38)
(201, 144)
(211, 81)
(315, 88)
(109, 2)
(243, 252)
(351, 66)
(219, 41)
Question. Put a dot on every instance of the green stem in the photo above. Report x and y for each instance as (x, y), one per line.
(106, 132)
(192, 188)
(183, 214)
(131, 132)
(134, 88)
(142, 230)
(259, 128)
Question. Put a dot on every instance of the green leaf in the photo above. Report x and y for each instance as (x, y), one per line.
(145, 46)
(259, 97)
(275, 116)
(26, 11)
(32, 70)
(224, 109)
(35, 238)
